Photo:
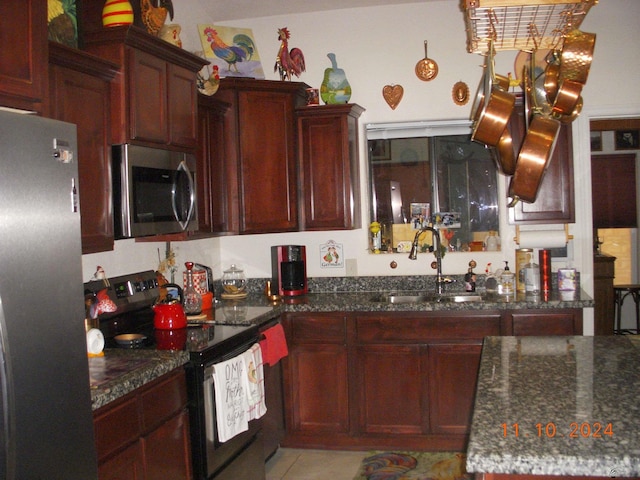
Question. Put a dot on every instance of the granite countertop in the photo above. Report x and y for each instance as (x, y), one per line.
(121, 371)
(365, 301)
(557, 406)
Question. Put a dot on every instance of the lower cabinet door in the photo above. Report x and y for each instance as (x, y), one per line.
(318, 390)
(453, 371)
(167, 452)
(127, 465)
(392, 382)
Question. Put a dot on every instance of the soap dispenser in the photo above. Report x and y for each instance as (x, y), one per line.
(508, 280)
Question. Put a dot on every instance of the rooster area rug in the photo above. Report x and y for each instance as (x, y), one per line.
(413, 466)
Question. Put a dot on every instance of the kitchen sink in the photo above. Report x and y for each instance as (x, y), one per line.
(427, 297)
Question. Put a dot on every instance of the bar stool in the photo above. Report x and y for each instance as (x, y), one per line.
(621, 292)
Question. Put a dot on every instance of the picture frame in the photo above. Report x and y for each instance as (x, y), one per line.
(596, 141)
(249, 65)
(62, 27)
(627, 139)
(380, 150)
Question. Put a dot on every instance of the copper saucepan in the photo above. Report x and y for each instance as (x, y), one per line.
(576, 56)
(506, 159)
(567, 98)
(533, 159)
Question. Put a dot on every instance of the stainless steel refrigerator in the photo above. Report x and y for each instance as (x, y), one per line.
(45, 399)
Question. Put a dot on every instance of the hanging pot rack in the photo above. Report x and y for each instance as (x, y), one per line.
(510, 23)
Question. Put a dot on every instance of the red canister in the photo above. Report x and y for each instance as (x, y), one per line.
(544, 257)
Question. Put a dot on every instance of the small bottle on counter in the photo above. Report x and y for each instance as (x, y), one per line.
(470, 278)
(192, 299)
(532, 277)
(544, 257)
(508, 280)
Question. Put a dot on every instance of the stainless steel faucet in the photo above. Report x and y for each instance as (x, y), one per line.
(413, 255)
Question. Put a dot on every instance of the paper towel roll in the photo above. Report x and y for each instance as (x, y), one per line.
(543, 239)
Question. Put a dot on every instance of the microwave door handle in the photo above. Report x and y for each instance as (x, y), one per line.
(183, 223)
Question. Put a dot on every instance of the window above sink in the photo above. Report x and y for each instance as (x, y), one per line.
(421, 171)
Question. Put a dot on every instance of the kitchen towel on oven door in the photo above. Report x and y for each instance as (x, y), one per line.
(230, 386)
(255, 382)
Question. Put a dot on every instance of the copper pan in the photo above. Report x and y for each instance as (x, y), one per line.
(493, 117)
(567, 98)
(573, 115)
(551, 74)
(503, 153)
(533, 159)
(577, 54)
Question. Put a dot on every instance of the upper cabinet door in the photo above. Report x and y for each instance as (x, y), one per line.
(328, 167)
(23, 55)
(555, 201)
(267, 162)
(148, 97)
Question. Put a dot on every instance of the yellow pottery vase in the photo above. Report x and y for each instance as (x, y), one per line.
(116, 13)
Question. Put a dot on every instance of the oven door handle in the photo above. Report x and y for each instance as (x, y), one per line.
(209, 402)
(174, 193)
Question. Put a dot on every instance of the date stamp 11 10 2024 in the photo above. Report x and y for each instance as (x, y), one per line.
(574, 430)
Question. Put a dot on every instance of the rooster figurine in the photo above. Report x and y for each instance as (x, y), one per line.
(241, 50)
(288, 62)
(154, 16)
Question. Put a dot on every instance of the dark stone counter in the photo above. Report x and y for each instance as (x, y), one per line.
(557, 406)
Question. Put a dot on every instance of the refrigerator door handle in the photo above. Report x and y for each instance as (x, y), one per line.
(183, 221)
(7, 406)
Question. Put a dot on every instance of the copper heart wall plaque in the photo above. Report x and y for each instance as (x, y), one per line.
(392, 95)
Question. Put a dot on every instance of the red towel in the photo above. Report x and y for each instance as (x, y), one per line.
(274, 345)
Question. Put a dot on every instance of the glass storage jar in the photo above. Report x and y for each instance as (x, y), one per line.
(233, 280)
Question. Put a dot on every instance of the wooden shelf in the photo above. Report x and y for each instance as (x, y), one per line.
(521, 24)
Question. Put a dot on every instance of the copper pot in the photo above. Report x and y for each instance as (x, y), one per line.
(533, 159)
(576, 56)
(505, 159)
(494, 116)
(567, 98)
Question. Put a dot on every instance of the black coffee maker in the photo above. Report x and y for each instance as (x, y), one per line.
(289, 270)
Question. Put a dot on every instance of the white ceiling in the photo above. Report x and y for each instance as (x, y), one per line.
(224, 10)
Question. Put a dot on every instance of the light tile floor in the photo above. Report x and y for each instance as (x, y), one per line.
(303, 464)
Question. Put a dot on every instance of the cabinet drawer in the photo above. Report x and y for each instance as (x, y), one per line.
(163, 400)
(415, 329)
(116, 427)
(328, 328)
(558, 322)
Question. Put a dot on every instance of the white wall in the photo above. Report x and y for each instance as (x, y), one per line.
(377, 46)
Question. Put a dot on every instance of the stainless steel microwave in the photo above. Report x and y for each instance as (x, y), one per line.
(153, 191)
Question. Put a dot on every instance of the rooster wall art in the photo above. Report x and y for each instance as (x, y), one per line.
(288, 62)
(241, 50)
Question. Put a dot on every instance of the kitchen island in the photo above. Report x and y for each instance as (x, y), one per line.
(556, 406)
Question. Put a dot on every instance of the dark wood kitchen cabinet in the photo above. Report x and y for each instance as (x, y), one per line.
(23, 56)
(604, 272)
(556, 197)
(416, 375)
(154, 98)
(145, 434)
(79, 94)
(328, 167)
(260, 141)
(217, 173)
(545, 322)
(315, 376)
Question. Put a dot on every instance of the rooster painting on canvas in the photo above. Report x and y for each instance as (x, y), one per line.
(232, 50)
